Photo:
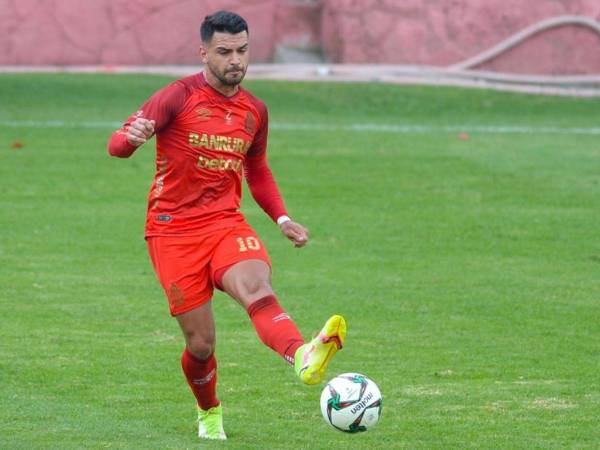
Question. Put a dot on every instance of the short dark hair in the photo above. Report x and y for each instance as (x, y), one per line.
(222, 21)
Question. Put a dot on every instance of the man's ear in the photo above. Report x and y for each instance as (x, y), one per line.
(202, 54)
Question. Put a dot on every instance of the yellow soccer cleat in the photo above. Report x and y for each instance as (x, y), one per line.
(312, 358)
(210, 423)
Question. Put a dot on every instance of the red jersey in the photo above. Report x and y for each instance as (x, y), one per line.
(205, 141)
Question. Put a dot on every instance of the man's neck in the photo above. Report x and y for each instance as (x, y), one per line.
(225, 89)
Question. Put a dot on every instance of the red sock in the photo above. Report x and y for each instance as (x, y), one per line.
(275, 327)
(202, 378)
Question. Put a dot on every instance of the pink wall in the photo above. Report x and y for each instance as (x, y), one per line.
(424, 32)
(118, 31)
(443, 32)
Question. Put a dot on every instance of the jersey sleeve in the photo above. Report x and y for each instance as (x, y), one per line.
(259, 143)
(258, 174)
(162, 107)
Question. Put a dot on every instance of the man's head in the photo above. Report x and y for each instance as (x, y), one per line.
(224, 48)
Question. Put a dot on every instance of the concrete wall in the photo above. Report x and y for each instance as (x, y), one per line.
(424, 32)
(443, 32)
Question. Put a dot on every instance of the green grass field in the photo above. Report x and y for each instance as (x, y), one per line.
(468, 271)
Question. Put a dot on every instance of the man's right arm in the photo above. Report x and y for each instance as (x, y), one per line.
(135, 132)
(153, 116)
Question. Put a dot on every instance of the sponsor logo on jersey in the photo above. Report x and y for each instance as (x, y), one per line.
(163, 218)
(203, 114)
(220, 164)
(229, 117)
(221, 143)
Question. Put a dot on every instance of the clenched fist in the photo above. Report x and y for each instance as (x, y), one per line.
(140, 131)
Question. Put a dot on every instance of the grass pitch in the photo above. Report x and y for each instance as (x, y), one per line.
(468, 271)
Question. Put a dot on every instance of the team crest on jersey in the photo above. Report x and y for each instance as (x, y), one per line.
(250, 123)
(175, 295)
(229, 117)
(203, 114)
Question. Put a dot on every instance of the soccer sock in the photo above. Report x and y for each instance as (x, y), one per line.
(202, 378)
(275, 327)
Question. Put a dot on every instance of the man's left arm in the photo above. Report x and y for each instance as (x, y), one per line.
(263, 186)
(266, 193)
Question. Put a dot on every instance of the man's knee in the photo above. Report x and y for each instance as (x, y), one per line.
(257, 287)
(200, 346)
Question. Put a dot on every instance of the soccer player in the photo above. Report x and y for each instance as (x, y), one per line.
(209, 131)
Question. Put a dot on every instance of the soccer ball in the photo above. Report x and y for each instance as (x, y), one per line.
(351, 402)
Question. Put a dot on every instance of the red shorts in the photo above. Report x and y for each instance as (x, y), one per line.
(186, 266)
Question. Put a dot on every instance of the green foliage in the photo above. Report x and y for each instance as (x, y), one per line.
(468, 272)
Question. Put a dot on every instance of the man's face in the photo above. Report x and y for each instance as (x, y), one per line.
(226, 56)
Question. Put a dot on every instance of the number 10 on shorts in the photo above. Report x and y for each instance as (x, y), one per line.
(249, 243)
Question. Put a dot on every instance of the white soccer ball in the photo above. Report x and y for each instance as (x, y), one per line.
(351, 402)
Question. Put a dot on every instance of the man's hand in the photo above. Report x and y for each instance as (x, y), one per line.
(140, 131)
(295, 233)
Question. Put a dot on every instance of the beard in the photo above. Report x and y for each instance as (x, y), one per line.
(229, 81)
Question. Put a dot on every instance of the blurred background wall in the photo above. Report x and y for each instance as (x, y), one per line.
(412, 32)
